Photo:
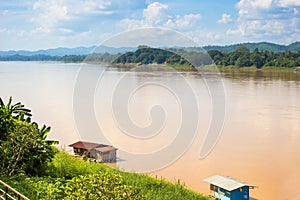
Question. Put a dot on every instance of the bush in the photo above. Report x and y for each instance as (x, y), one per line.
(102, 185)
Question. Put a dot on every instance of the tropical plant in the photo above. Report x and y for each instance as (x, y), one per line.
(9, 113)
(23, 146)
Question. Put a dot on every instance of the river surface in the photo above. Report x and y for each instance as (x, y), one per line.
(259, 141)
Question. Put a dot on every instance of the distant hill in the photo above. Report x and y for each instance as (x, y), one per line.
(261, 46)
(111, 50)
(68, 51)
(294, 46)
(50, 52)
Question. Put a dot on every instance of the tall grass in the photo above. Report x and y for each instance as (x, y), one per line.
(68, 176)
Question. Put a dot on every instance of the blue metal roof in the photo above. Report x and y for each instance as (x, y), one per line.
(226, 182)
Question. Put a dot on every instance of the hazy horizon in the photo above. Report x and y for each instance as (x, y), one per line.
(95, 46)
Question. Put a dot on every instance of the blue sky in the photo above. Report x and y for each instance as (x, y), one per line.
(46, 24)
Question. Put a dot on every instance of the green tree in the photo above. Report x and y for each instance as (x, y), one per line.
(216, 56)
(23, 146)
(9, 113)
(242, 49)
(244, 60)
(256, 59)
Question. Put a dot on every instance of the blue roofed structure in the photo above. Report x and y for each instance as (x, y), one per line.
(227, 188)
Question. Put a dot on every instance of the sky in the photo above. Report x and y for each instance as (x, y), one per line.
(43, 24)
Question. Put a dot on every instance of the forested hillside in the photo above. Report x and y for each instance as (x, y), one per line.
(264, 55)
(240, 57)
(261, 46)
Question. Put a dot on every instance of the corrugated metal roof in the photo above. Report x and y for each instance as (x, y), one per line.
(226, 182)
(84, 145)
(105, 149)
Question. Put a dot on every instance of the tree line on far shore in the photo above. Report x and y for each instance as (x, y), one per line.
(240, 57)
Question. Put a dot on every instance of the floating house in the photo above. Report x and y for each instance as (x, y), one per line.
(227, 188)
(98, 152)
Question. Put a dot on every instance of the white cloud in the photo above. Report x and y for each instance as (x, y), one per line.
(259, 20)
(82, 22)
(130, 24)
(90, 7)
(65, 30)
(260, 4)
(240, 30)
(288, 3)
(4, 12)
(246, 7)
(181, 22)
(204, 37)
(226, 18)
(49, 13)
(2, 30)
(40, 30)
(256, 28)
(154, 13)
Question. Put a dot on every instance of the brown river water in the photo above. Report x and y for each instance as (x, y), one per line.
(259, 142)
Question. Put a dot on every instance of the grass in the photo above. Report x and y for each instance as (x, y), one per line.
(252, 68)
(69, 174)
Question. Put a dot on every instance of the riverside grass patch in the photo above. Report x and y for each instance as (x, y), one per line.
(68, 177)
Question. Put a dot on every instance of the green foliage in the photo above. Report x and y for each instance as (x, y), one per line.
(242, 49)
(102, 58)
(103, 185)
(257, 59)
(66, 166)
(9, 113)
(261, 46)
(41, 57)
(294, 46)
(260, 55)
(71, 58)
(147, 55)
(32, 187)
(216, 56)
(23, 146)
(179, 59)
(242, 58)
(72, 178)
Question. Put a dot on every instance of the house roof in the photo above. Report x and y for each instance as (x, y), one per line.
(226, 182)
(84, 145)
(105, 148)
(90, 145)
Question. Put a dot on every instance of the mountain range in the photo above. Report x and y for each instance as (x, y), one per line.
(112, 50)
(260, 46)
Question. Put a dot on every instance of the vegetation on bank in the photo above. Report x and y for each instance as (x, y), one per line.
(70, 178)
(147, 55)
(242, 57)
(23, 144)
(184, 58)
(34, 167)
